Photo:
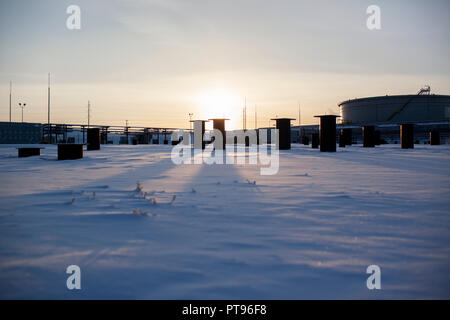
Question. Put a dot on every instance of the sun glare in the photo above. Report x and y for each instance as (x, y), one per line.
(220, 103)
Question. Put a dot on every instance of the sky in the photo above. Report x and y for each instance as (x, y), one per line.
(153, 62)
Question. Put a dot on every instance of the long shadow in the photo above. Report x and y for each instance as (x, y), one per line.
(386, 158)
(125, 180)
(239, 242)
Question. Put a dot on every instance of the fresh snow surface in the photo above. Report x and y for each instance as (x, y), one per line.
(225, 231)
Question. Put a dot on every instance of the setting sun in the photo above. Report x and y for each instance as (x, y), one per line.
(220, 103)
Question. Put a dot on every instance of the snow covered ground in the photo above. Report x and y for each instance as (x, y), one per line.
(225, 231)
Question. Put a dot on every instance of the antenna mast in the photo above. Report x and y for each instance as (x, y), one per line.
(48, 107)
(10, 90)
(245, 113)
(299, 121)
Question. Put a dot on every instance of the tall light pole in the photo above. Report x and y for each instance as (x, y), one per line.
(299, 120)
(22, 105)
(244, 115)
(126, 131)
(89, 112)
(190, 120)
(10, 91)
(49, 128)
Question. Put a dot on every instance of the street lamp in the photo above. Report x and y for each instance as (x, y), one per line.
(22, 105)
(190, 120)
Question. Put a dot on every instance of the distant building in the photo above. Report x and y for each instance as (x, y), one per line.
(20, 133)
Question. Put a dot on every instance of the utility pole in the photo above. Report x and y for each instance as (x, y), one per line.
(190, 120)
(10, 90)
(126, 131)
(256, 118)
(299, 121)
(89, 113)
(244, 115)
(49, 129)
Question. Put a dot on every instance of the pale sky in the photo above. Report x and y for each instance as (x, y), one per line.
(152, 62)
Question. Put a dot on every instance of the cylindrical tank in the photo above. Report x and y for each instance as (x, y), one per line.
(396, 109)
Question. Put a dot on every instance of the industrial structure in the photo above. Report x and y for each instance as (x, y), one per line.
(418, 108)
(382, 116)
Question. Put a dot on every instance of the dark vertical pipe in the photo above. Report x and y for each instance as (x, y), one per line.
(93, 139)
(305, 140)
(284, 132)
(368, 135)
(407, 136)
(341, 139)
(199, 134)
(219, 124)
(347, 133)
(84, 140)
(377, 136)
(327, 133)
(314, 140)
(435, 138)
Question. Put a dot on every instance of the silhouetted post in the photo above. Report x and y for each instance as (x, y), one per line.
(347, 133)
(327, 133)
(314, 140)
(435, 138)
(28, 152)
(407, 136)
(126, 134)
(377, 136)
(341, 140)
(219, 124)
(104, 135)
(247, 140)
(199, 134)
(305, 140)
(70, 151)
(368, 135)
(284, 132)
(93, 139)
